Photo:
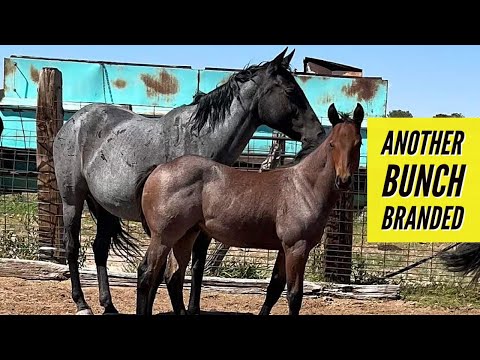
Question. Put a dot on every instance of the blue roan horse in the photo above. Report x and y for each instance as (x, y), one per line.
(102, 150)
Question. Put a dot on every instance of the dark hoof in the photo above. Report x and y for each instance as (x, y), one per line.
(264, 312)
(110, 310)
(193, 312)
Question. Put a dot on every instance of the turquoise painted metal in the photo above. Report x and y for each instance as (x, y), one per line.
(153, 90)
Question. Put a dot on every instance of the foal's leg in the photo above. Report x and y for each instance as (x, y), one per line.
(175, 277)
(277, 284)
(72, 217)
(295, 260)
(150, 274)
(199, 256)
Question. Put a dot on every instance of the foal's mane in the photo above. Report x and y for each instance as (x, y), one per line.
(310, 147)
(214, 106)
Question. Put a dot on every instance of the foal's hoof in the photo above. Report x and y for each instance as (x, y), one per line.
(85, 312)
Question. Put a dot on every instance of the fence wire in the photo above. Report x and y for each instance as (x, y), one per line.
(20, 230)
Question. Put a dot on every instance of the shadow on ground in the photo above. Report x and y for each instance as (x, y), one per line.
(210, 313)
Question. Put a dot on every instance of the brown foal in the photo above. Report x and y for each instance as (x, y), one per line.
(284, 209)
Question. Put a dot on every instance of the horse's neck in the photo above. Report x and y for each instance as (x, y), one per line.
(319, 172)
(233, 134)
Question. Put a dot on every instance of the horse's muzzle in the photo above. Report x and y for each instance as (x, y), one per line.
(343, 182)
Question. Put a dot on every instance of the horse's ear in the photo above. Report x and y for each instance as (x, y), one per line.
(276, 63)
(333, 115)
(279, 58)
(287, 59)
(358, 114)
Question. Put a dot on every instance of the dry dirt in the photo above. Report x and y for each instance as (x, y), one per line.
(18, 296)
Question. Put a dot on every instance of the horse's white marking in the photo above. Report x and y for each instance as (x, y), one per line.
(84, 312)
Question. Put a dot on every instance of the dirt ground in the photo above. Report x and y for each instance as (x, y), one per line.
(18, 296)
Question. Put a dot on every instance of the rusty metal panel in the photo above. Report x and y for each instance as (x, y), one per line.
(82, 81)
(321, 91)
(96, 82)
(154, 90)
(150, 86)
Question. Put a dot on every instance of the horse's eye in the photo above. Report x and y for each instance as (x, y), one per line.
(331, 144)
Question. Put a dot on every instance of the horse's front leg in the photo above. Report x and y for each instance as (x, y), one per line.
(277, 284)
(296, 257)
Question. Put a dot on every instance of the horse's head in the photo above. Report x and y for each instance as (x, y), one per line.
(344, 143)
(282, 105)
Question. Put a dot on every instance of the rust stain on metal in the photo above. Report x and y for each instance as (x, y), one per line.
(163, 83)
(363, 89)
(120, 83)
(34, 74)
(9, 67)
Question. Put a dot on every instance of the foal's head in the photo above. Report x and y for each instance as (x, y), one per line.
(344, 143)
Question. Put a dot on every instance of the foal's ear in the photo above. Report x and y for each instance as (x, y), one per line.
(358, 114)
(287, 59)
(276, 63)
(333, 115)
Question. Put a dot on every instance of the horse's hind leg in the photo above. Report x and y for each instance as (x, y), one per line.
(295, 261)
(150, 274)
(101, 246)
(177, 266)
(199, 256)
(277, 284)
(72, 216)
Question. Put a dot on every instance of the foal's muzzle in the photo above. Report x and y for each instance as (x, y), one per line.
(343, 182)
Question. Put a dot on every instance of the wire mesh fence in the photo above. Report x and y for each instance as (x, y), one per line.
(20, 228)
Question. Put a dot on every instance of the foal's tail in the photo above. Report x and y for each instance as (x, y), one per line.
(465, 259)
(138, 196)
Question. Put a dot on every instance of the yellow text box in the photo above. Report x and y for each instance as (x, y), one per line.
(423, 180)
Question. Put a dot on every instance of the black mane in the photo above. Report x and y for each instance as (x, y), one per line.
(345, 116)
(215, 105)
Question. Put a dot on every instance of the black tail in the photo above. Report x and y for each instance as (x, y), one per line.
(138, 196)
(123, 244)
(465, 259)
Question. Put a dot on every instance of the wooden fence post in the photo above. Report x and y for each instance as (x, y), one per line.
(338, 236)
(49, 118)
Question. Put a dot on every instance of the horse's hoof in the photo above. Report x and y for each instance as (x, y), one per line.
(111, 313)
(193, 312)
(85, 312)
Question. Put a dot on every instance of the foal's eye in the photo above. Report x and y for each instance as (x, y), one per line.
(331, 144)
